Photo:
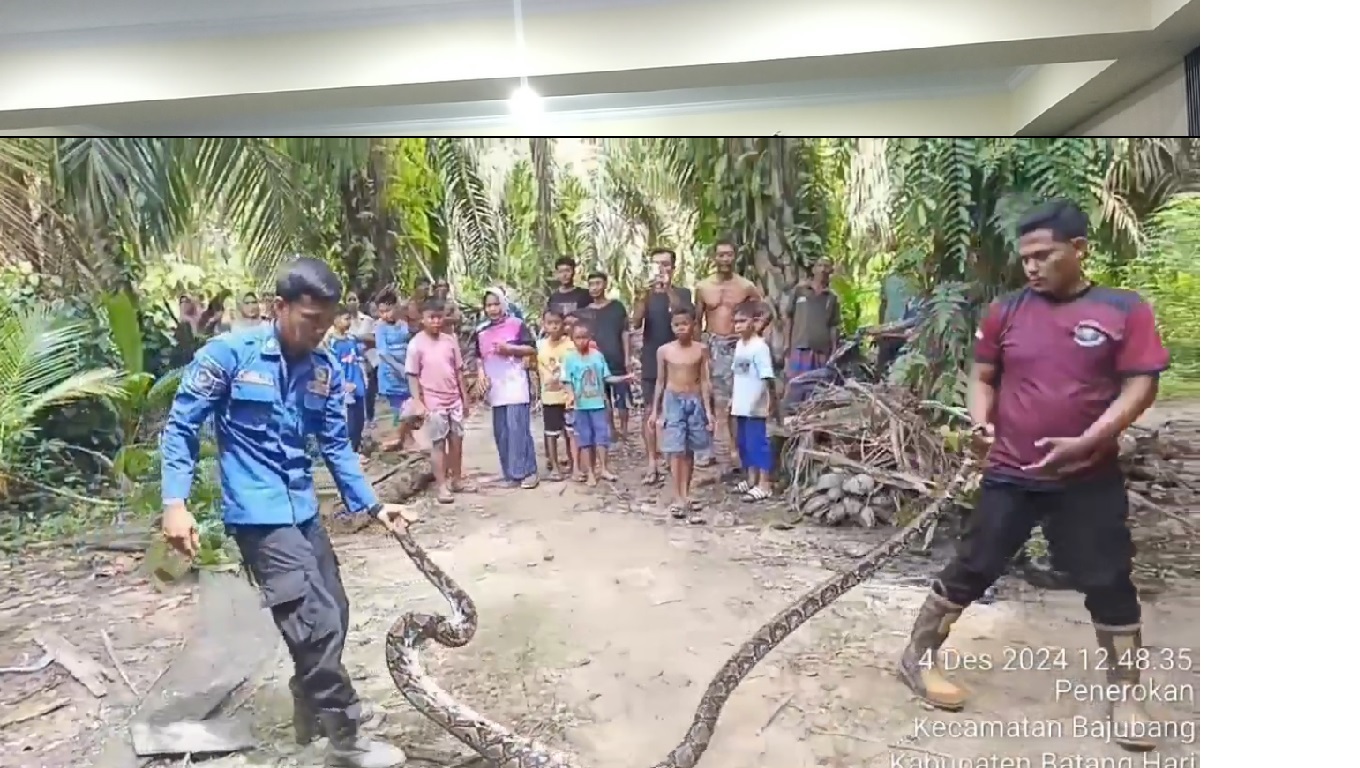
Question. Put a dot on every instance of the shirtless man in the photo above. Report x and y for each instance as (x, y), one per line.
(681, 411)
(717, 298)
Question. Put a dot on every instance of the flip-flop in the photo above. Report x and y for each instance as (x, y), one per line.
(758, 494)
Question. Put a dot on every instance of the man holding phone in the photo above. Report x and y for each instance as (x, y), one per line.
(652, 313)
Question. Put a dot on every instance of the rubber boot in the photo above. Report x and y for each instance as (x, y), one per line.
(919, 667)
(1128, 715)
(347, 748)
(307, 726)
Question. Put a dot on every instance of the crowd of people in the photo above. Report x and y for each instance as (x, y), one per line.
(705, 372)
(1081, 362)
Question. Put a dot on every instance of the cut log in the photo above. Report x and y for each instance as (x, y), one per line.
(233, 637)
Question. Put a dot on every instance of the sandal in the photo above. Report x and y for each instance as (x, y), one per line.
(555, 477)
(678, 511)
(695, 505)
(742, 487)
(651, 477)
(529, 483)
(579, 477)
(758, 494)
(609, 477)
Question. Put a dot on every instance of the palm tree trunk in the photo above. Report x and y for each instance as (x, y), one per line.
(541, 155)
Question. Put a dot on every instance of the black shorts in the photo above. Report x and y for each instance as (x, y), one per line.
(621, 393)
(554, 419)
(648, 393)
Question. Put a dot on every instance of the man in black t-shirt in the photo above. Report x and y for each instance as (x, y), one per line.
(652, 313)
(608, 318)
(567, 297)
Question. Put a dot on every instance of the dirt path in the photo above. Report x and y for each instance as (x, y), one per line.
(601, 624)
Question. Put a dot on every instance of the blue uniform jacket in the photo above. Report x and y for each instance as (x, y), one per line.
(263, 409)
(350, 354)
(391, 339)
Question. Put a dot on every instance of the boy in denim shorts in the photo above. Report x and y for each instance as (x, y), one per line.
(682, 412)
(585, 371)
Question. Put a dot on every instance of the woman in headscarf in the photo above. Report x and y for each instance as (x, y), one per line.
(502, 343)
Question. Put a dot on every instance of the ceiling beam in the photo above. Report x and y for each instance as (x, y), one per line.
(684, 45)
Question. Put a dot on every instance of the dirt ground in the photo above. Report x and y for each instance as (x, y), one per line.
(602, 620)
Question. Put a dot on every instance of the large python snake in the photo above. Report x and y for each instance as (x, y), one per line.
(502, 747)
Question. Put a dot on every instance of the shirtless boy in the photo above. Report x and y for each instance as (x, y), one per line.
(682, 412)
(717, 298)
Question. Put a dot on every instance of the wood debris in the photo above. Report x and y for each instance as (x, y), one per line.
(31, 710)
(872, 454)
(81, 665)
(864, 454)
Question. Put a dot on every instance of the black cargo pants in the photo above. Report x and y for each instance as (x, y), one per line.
(298, 576)
(1086, 524)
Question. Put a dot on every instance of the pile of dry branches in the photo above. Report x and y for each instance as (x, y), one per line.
(862, 453)
(872, 454)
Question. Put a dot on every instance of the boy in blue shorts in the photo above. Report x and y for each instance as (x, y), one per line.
(753, 402)
(584, 370)
(682, 412)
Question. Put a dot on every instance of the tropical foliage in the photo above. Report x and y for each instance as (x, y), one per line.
(98, 236)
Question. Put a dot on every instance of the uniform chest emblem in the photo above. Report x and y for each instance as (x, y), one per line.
(321, 382)
(1088, 333)
(255, 377)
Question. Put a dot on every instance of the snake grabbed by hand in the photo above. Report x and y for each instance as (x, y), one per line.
(500, 746)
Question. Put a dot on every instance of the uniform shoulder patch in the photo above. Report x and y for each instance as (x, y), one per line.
(206, 378)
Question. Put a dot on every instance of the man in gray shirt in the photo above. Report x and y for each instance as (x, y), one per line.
(812, 318)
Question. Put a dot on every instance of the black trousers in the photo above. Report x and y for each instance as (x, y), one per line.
(371, 394)
(354, 423)
(1086, 524)
(298, 576)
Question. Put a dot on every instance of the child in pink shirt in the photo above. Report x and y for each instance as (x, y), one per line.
(434, 368)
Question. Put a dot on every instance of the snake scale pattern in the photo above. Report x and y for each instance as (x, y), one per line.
(501, 747)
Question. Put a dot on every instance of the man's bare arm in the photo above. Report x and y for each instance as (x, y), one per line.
(660, 379)
(705, 381)
(981, 392)
(1136, 395)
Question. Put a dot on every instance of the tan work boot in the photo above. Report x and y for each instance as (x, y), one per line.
(1128, 715)
(348, 749)
(307, 726)
(920, 666)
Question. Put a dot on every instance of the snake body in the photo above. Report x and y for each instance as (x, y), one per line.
(502, 747)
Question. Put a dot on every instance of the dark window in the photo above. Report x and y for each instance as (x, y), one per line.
(1192, 92)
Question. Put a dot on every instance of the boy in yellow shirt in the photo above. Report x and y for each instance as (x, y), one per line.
(553, 348)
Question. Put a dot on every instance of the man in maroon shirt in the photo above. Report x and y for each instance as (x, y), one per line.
(1061, 368)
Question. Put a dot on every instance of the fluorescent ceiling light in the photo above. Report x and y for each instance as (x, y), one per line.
(525, 101)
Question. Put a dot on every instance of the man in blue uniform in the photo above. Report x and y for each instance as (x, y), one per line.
(267, 389)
